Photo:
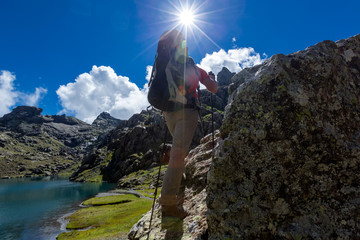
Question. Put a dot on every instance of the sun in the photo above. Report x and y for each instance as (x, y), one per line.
(189, 17)
(186, 17)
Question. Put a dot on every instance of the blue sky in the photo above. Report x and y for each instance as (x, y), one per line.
(99, 51)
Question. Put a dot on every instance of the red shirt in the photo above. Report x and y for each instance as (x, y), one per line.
(203, 77)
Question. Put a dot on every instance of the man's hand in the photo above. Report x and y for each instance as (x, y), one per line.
(214, 84)
(211, 74)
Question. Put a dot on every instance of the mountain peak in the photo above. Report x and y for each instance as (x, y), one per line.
(224, 77)
(25, 111)
(22, 114)
(106, 120)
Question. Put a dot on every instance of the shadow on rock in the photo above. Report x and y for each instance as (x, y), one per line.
(173, 228)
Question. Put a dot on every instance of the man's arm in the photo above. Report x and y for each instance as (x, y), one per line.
(208, 80)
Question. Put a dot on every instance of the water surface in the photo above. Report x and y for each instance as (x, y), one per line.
(31, 207)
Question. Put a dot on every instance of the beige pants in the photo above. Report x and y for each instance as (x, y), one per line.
(182, 125)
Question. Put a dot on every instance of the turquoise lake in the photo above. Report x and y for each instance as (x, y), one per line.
(32, 208)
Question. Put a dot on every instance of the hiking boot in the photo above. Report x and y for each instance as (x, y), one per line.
(174, 212)
(165, 158)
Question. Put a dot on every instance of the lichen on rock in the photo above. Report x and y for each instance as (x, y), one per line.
(287, 166)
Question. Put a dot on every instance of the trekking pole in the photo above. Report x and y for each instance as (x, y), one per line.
(157, 181)
(199, 111)
(212, 122)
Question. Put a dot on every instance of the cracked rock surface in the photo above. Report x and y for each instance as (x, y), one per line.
(287, 165)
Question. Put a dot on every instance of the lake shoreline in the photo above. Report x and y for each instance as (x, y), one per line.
(45, 200)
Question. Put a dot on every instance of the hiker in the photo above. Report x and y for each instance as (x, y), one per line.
(181, 112)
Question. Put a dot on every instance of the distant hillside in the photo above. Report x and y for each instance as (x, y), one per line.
(33, 144)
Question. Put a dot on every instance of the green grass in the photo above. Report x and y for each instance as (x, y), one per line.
(108, 220)
(113, 199)
(149, 192)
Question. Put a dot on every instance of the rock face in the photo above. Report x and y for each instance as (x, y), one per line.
(287, 166)
(224, 77)
(105, 120)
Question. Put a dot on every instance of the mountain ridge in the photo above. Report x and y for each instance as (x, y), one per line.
(33, 144)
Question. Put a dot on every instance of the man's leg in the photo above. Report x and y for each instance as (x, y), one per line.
(182, 136)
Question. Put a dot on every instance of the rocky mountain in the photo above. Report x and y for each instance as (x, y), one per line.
(106, 122)
(287, 159)
(135, 143)
(33, 144)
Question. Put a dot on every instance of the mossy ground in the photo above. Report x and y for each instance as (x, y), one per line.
(109, 217)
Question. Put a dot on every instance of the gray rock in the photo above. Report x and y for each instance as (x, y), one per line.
(287, 166)
(224, 77)
(106, 121)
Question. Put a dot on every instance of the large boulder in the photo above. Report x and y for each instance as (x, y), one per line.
(287, 166)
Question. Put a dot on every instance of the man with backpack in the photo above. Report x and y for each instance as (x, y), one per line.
(172, 89)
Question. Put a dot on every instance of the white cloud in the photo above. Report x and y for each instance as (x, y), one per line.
(148, 72)
(33, 99)
(7, 93)
(148, 76)
(233, 39)
(234, 59)
(102, 90)
(10, 97)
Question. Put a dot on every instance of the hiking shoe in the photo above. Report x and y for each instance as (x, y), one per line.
(174, 212)
(165, 158)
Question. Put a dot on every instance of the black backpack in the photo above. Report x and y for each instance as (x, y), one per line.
(165, 80)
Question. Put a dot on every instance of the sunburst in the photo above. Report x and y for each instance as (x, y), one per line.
(187, 17)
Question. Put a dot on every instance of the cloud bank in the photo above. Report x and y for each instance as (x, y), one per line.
(101, 90)
(10, 97)
(234, 59)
